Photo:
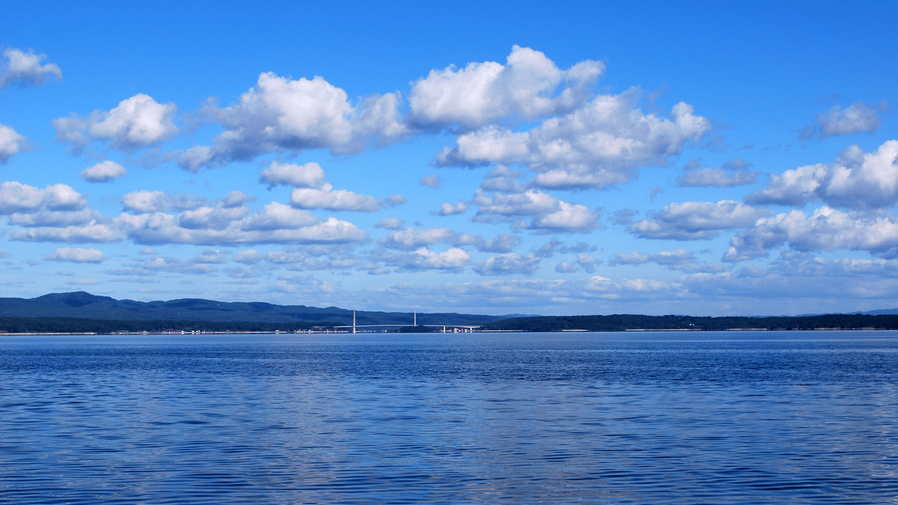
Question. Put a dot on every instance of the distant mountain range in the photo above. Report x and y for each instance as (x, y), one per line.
(883, 312)
(87, 306)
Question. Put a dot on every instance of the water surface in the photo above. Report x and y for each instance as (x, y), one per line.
(728, 417)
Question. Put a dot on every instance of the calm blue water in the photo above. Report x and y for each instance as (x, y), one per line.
(730, 417)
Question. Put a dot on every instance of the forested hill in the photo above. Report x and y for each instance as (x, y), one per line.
(630, 322)
(83, 305)
(64, 308)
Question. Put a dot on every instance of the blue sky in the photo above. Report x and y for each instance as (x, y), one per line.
(518, 157)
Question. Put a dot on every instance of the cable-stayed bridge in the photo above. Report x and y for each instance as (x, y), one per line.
(446, 328)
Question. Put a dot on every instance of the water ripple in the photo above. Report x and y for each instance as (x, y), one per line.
(592, 418)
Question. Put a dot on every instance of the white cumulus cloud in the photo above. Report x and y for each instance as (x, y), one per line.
(277, 216)
(484, 93)
(220, 225)
(136, 122)
(697, 220)
(595, 146)
(544, 212)
(18, 68)
(390, 223)
(502, 179)
(159, 201)
(680, 259)
(328, 198)
(103, 172)
(825, 230)
(295, 115)
(211, 256)
(448, 209)
(409, 238)
(431, 181)
(858, 117)
(716, 177)
(312, 191)
(855, 180)
(57, 218)
(77, 255)
(16, 197)
(92, 232)
(310, 175)
(248, 257)
(10, 143)
(509, 264)
(451, 260)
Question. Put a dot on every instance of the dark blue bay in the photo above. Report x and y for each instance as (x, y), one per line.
(731, 417)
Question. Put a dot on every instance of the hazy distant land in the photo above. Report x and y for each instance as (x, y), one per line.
(81, 312)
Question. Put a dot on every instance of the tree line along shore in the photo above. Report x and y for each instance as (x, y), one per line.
(608, 323)
(43, 325)
(631, 322)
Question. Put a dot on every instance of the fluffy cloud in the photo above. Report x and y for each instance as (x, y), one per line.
(314, 257)
(409, 238)
(277, 216)
(158, 201)
(452, 260)
(858, 117)
(855, 180)
(59, 214)
(136, 122)
(591, 295)
(431, 181)
(18, 68)
(213, 223)
(663, 258)
(10, 143)
(501, 178)
(309, 175)
(502, 243)
(728, 176)
(697, 220)
(77, 255)
(583, 141)
(566, 267)
(390, 223)
(484, 93)
(545, 212)
(248, 257)
(312, 191)
(587, 262)
(813, 286)
(152, 266)
(508, 264)
(92, 232)
(208, 226)
(16, 197)
(679, 259)
(294, 115)
(327, 198)
(826, 229)
(56, 218)
(211, 256)
(103, 172)
(595, 146)
(448, 209)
